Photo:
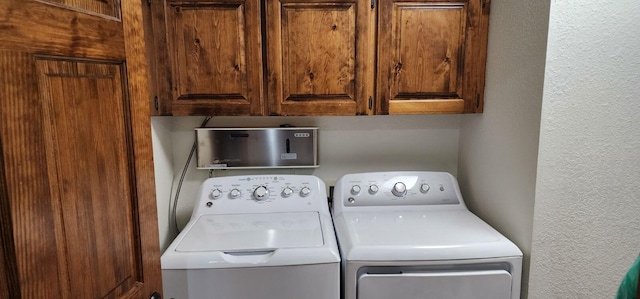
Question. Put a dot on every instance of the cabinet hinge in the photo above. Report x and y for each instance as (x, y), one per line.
(370, 103)
(149, 3)
(155, 102)
(477, 100)
(484, 3)
(373, 4)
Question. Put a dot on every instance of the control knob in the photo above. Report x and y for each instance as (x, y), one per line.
(215, 193)
(234, 193)
(424, 188)
(261, 193)
(287, 192)
(373, 189)
(399, 189)
(355, 190)
(305, 191)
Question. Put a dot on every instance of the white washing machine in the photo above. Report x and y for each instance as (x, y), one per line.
(409, 235)
(250, 237)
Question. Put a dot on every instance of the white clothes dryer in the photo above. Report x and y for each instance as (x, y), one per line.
(409, 235)
(256, 237)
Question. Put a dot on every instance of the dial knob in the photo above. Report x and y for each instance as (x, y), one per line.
(261, 193)
(234, 193)
(399, 189)
(287, 192)
(305, 191)
(355, 190)
(373, 189)
(424, 188)
(215, 193)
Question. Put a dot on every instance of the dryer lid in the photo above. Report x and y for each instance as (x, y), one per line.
(252, 232)
(419, 235)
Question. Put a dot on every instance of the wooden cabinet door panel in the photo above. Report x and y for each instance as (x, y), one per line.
(92, 183)
(428, 59)
(76, 159)
(216, 57)
(317, 57)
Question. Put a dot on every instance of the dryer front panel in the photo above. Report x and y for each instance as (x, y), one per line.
(487, 284)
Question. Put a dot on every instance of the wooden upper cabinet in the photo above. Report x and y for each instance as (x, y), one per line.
(320, 57)
(431, 56)
(214, 48)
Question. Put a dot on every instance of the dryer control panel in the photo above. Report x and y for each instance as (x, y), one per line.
(397, 188)
(261, 194)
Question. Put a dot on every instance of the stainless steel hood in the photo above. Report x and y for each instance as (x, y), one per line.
(224, 148)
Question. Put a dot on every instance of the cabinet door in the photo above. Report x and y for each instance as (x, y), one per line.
(216, 58)
(431, 56)
(77, 209)
(320, 57)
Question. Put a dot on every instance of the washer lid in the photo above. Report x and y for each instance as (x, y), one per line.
(419, 235)
(253, 232)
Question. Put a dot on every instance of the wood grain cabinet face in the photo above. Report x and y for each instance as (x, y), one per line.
(84, 103)
(317, 57)
(216, 57)
(323, 57)
(431, 56)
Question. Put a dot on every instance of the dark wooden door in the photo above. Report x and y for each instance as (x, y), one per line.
(78, 201)
(320, 57)
(431, 56)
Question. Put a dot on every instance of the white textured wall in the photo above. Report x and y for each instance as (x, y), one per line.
(162, 160)
(346, 145)
(587, 210)
(499, 148)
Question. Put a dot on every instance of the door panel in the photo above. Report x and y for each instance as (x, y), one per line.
(87, 138)
(318, 54)
(430, 57)
(427, 65)
(322, 61)
(489, 284)
(422, 59)
(32, 212)
(76, 155)
(216, 57)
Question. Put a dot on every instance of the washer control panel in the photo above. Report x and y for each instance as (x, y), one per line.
(397, 188)
(261, 193)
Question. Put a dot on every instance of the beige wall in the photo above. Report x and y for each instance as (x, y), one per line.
(499, 148)
(586, 230)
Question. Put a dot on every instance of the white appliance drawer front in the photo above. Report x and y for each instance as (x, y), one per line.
(320, 281)
(489, 284)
